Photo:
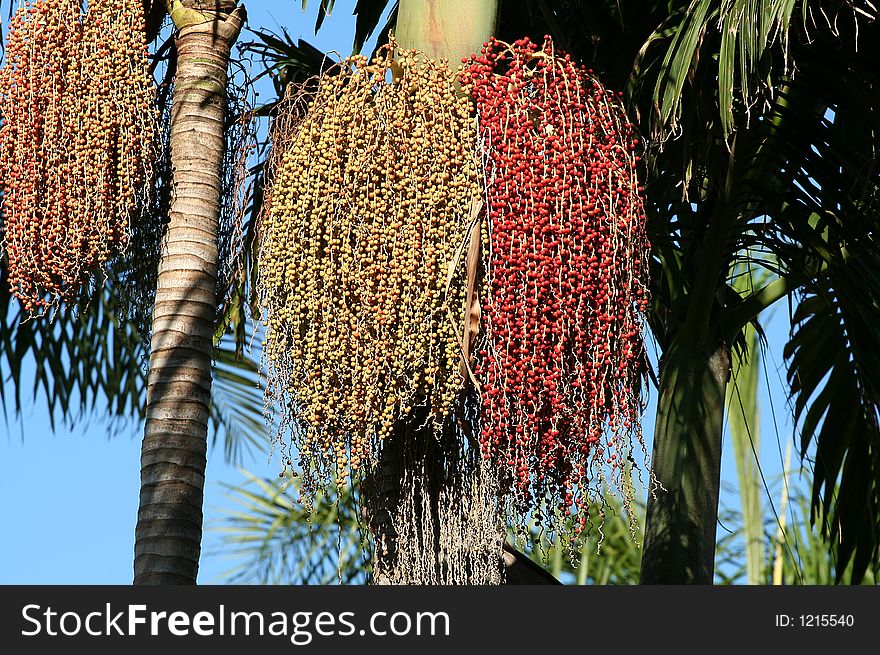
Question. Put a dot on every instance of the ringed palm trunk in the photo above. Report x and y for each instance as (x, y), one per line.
(173, 456)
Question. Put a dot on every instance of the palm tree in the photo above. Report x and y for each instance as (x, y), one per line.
(763, 157)
(779, 178)
(173, 459)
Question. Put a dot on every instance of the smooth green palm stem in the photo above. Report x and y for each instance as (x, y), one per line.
(446, 29)
(683, 512)
(745, 435)
(680, 529)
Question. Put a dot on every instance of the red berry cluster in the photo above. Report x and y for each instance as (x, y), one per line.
(566, 266)
(77, 104)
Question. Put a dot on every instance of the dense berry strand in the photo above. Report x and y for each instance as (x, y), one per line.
(566, 270)
(370, 202)
(76, 142)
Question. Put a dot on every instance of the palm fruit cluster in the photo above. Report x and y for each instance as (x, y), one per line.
(378, 179)
(76, 142)
(566, 267)
(370, 201)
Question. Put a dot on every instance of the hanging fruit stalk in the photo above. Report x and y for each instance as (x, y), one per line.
(371, 277)
(369, 202)
(373, 327)
(77, 142)
(566, 268)
(433, 504)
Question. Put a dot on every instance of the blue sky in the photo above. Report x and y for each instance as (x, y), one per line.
(68, 499)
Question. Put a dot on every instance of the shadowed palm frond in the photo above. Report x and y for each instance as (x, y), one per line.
(273, 538)
(369, 14)
(287, 61)
(81, 356)
(746, 42)
(814, 559)
(325, 8)
(834, 373)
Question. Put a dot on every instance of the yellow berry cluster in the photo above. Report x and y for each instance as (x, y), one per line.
(361, 274)
(76, 142)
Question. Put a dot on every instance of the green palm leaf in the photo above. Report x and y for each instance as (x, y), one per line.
(608, 555)
(272, 538)
(81, 356)
(834, 373)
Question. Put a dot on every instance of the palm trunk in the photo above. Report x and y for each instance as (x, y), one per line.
(680, 530)
(446, 29)
(173, 457)
(695, 368)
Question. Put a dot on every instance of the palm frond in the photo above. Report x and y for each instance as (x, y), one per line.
(237, 408)
(272, 538)
(369, 13)
(834, 373)
(88, 363)
(81, 355)
(324, 9)
(815, 561)
(609, 555)
(286, 60)
(746, 42)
